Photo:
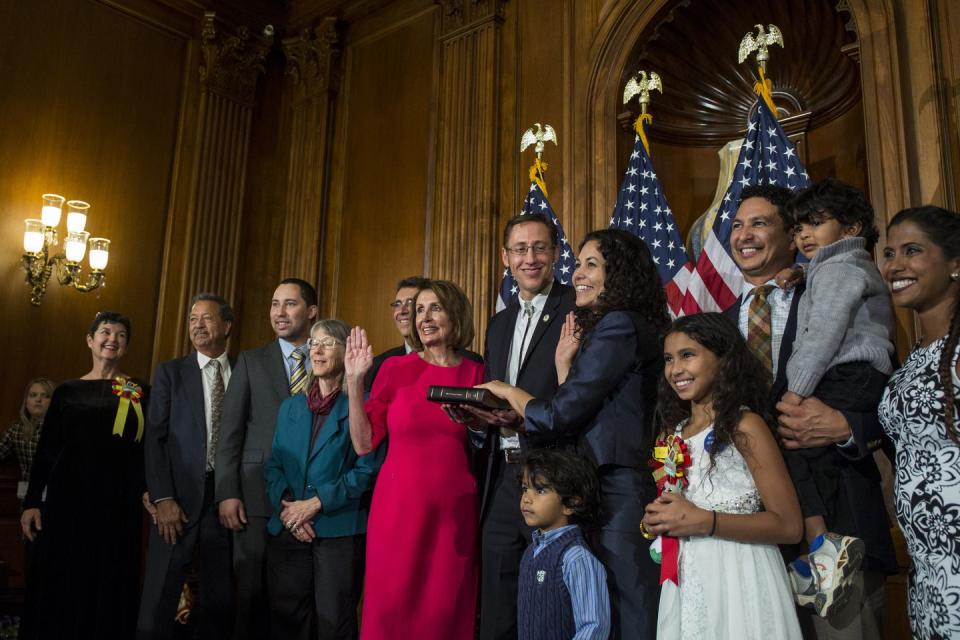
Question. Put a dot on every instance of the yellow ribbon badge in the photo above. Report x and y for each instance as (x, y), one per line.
(129, 393)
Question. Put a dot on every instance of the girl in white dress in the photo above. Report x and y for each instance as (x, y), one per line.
(739, 502)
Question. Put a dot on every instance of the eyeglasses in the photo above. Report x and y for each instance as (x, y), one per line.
(325, 343)
(539, 248)
(402, 303)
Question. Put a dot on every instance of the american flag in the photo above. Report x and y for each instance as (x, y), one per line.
(536, 202)
(643, 211)
(766, 157)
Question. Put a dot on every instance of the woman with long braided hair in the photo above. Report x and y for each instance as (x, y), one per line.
(921, 264)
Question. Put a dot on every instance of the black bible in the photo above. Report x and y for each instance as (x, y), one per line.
(466, 395)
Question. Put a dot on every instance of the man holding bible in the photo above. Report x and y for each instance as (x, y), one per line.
(520, 346)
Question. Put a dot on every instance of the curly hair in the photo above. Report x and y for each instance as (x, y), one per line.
(831, 198)
(740, 383)
(942, 228)
(573, 477)
(630, 283)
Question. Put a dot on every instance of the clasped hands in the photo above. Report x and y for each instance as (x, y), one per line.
(673, 515)
(297, 516)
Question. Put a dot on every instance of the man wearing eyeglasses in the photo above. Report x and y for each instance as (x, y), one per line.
(520, 347)
(402, 309)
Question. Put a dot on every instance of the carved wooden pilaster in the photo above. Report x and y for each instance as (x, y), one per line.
(203, 228)
(313, 70)
(464, 226)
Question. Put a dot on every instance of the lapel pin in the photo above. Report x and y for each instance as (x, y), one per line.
(546, 318)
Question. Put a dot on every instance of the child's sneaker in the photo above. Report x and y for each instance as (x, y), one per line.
(834, 559)
(802, 582)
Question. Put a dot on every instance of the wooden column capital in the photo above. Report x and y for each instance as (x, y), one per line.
(232, 63)
(310, 59)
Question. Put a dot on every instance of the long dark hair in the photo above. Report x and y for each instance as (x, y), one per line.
(740, 383)
(942, 228)
(631, 282)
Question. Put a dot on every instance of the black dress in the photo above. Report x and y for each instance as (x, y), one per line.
(87, 580)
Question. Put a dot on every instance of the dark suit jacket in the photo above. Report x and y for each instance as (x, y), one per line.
(258, 384)
(537, 376)
(329, 470)
(867, 518)
(608, 398)
(175, 444)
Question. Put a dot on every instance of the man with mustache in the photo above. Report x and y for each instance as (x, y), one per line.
(183, 426)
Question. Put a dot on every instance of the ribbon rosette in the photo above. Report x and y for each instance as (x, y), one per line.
(129, 393)
(670, 460)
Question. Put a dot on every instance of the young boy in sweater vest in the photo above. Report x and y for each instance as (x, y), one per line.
(562, 590)
(842, 356)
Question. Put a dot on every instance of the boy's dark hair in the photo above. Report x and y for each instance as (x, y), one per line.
(307, 292)
(573, 477)
(774, 194)
(531, 217)
(417, 282)
(111, 317)
(844, 203)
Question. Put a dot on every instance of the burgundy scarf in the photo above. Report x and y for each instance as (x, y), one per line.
(320, 404)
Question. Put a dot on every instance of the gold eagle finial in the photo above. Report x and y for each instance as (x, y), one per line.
(759, 43)
(537, 138)
(642, 84)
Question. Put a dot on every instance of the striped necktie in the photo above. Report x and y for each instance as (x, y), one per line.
(299, 376)
(216, 411)
(759, 332)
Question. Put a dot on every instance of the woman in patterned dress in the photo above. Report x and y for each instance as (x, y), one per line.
(921, 264)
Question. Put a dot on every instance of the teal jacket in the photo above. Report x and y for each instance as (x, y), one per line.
(331, 470)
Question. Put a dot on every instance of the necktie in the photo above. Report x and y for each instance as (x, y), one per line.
(527, 311)
(759, 332)
(299, 376)
(216, 411)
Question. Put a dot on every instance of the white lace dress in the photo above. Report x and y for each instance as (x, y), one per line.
(727, 589)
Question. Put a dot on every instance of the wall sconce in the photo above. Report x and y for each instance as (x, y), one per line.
(41, 234)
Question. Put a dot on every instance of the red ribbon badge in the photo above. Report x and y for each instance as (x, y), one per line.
(670, 460)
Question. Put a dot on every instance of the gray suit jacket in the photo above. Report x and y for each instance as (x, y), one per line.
(258, 384)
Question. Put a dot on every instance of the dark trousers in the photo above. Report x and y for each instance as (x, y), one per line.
(167, 565)
(249, 566)
(505, 536)
(314, 588)
(632, 577)
(816, 472)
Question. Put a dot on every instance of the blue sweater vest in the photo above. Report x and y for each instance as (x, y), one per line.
(544, 608)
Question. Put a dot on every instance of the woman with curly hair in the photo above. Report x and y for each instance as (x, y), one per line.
(608, 361)
(921, 264)
(738, 502)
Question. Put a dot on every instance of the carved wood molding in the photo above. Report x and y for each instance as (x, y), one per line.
(232, 63)
(309, 59)
(457, 16)
(465, 218)
(313, 68)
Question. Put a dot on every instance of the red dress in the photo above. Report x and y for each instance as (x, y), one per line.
(421, 568)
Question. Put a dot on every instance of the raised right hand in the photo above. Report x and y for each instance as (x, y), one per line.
(30, 522)
(568, 344)
(232, 514)
(358, 357)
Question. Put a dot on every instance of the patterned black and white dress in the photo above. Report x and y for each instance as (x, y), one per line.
(927, 489)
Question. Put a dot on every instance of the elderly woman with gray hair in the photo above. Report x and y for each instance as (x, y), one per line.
(319, 488)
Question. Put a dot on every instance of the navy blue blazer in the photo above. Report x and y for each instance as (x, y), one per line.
(608, 398)
(175, 442)
(867, 518)
(331, 470)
